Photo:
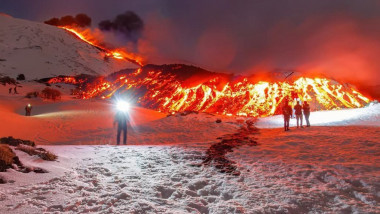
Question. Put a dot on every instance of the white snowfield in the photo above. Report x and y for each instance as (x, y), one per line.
(329, 168)
(39, 50)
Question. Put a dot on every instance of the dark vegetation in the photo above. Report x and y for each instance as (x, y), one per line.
(7, 80)
(40, 152)
(20, 77)
(33, 94)
(50, 94)
(8, 158)
(15, 142)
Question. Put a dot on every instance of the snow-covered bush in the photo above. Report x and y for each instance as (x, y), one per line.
(40, 152)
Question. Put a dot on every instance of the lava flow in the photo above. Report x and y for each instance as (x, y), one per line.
(87, 37)
(164, 92)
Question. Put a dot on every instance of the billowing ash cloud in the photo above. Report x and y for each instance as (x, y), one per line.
(81, 20)
(128, 24)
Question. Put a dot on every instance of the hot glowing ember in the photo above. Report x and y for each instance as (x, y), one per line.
(165, 92)
(86, 36)
(68, 80)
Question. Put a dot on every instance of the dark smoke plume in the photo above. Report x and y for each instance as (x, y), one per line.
(81, 20)
(129, 24)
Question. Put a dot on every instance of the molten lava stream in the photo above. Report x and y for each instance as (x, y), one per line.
(165, 93)
(88, 37)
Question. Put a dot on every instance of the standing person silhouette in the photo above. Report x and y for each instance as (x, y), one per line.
(28, 110)
(287, 112)
(121, 119)
(306, 112)
(298, 113)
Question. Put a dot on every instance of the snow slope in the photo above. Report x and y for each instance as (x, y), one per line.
(328, 168)
(39, 50)
(73, 121)
(366, 116)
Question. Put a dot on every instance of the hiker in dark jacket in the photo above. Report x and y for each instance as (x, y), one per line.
(298, 113)
(121, 120)
(28, 110)
(287, 112)
(306, 112)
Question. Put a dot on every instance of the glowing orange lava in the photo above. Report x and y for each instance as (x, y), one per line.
(163, 92)
(86, 36)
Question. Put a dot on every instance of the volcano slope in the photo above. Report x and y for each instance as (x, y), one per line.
(332, 167)
(39, 50)
(329, 168)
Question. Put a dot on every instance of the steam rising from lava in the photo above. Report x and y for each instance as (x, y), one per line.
(129, 24)
(336, 45)
(80, 20)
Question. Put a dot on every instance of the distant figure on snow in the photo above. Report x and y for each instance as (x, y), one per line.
(121, 120)
(15, 90)
(287, 112)
(306, 112)
(298, 113)
(28, 110)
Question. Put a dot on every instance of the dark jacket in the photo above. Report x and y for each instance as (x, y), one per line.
(121, 119)
(298, 109)
(306, 108)
(287, 110)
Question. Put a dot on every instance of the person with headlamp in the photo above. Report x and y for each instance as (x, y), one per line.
(28, 110)
(121, 119)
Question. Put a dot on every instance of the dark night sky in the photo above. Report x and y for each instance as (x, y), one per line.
(337, 37)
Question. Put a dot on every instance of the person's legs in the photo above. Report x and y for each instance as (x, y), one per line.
(307, 119)
(301, 120)
(125, 135)
(297, 118)
(285, 121)
(118, 135)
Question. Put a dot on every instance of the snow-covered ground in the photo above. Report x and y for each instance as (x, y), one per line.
(331, 167)
(39, 50)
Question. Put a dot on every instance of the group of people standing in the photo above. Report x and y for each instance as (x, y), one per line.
(287, 111)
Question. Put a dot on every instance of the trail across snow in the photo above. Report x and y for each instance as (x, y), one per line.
(329, 168)
(283, 174)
